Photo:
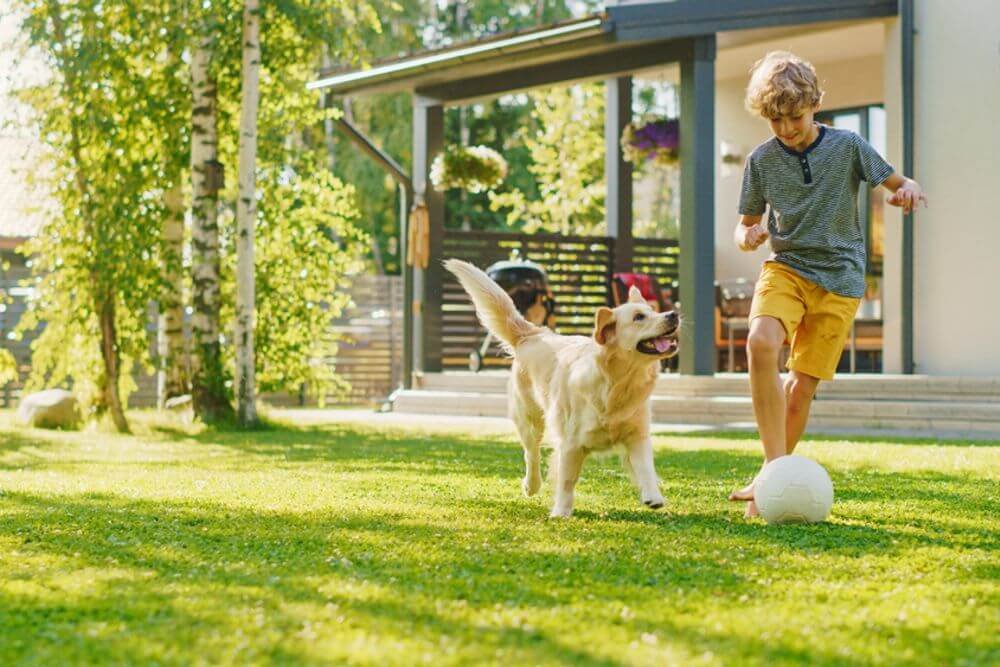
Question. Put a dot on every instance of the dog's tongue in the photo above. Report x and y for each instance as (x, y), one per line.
(661, 344)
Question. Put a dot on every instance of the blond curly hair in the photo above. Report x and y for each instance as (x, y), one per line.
(782, 84)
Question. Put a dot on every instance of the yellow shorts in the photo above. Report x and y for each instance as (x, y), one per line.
(817, 322)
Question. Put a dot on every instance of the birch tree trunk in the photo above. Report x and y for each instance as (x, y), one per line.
(208, 390)
(112, 360)
(246, 211)
(172, 376)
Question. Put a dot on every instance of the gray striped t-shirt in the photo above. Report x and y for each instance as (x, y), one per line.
(812, 199)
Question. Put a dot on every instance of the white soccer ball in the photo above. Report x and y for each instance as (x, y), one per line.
(793, 489)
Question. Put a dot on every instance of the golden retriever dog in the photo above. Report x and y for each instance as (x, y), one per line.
(587, 393)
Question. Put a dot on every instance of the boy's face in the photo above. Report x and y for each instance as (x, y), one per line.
(794, 130)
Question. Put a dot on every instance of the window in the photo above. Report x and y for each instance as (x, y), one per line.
(869, 122)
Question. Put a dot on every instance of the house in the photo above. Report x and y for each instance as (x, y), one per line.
(918, 78)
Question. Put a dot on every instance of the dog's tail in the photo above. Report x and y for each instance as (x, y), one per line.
(493, 305)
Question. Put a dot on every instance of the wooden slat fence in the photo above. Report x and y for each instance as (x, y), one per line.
(370, 332)
(658, 258)
(12, 271)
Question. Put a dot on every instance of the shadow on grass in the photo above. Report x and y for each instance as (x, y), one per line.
(387, 449)
(16, 443)
(192, 566)
(393, 578)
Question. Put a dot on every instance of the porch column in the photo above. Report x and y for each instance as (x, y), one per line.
(697, 228)
(618, 172)
(428, 141)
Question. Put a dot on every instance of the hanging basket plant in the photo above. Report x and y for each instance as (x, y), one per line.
(652, 138)
(470, 168)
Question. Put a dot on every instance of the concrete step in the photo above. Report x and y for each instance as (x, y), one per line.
(844, 387)
(979, 419)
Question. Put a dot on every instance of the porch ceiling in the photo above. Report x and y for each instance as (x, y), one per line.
(624, 38)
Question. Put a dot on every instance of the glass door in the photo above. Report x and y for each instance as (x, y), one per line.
(866, 337)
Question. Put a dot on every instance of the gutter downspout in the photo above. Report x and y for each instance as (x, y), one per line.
(908, 28)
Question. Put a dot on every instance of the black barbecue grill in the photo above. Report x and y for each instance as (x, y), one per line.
(528, 287)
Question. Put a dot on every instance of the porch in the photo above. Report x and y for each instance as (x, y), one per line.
(907, 405)
(702, 50)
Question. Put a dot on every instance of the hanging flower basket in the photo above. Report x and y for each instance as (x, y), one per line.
(471, 168)
(652, 138)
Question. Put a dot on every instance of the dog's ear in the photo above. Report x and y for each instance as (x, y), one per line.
(635, 296)
(604, 322)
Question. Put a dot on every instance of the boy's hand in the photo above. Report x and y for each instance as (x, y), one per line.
(750, 238)
(908, 196)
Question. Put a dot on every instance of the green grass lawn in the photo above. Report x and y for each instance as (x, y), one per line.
(350, 545)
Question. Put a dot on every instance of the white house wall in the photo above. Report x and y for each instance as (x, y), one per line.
(957, 161)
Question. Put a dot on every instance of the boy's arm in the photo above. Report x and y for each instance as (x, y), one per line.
(906, 192)
(749, 232)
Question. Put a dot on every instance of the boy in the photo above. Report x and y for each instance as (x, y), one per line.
(807, 178)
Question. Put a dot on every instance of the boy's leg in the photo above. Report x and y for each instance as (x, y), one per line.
(767, 335)
(817, 347)
(764, 343)
(799, 391)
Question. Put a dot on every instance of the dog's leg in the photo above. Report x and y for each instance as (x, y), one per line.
(530, 432)
(530, 424)
(640, 456)
(568, 465)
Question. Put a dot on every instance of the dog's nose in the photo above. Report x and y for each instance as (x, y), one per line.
(671, 317)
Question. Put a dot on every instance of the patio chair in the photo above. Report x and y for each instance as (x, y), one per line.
(732, 308)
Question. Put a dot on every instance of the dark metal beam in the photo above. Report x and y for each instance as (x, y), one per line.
(428, 141)
(684, 18)
(907, 27)
(618, 172)
(617, 63)
(383, 159)
(405, 199)
(697, 233)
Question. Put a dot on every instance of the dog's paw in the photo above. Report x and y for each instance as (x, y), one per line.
(530, 485)
(654, 502)
(561, 513)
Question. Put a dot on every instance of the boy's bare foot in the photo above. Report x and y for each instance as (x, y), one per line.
(751, 510)
(744, 494)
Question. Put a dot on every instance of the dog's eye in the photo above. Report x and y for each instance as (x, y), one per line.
(639, 317)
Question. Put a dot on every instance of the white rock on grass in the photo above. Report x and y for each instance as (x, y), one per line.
(179, 403)
(52, 408)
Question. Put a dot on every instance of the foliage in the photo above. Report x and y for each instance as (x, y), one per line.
(567, 155)
(657, 187)
(8, 367)
(502, 123)
(310, 216)
(108, 118)
(651, 140)
(132, 110)
(470, 168)
(308, 241)
(296, 545)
